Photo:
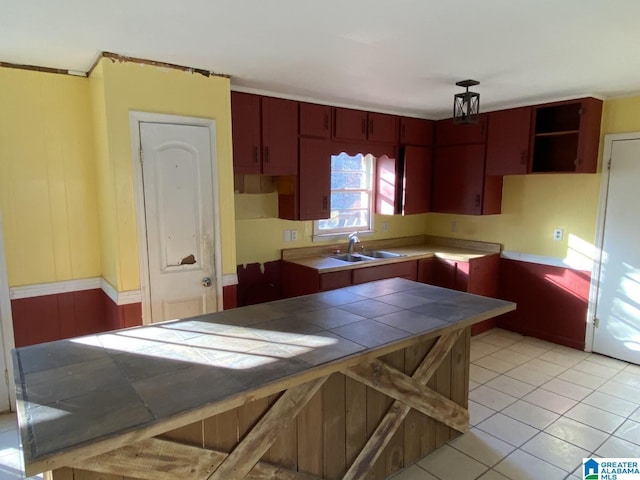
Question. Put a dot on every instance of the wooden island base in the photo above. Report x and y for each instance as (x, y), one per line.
(366, 420)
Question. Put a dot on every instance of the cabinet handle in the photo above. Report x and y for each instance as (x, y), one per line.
(326, 121)
(325, 203)
(477, 199)
(266, 154)
(364, 126)
(256, 154)
(523, 157)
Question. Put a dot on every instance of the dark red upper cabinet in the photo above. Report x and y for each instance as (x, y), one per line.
(589, 141)
(279, 136)
(315, 120)
(358, 125)
(508, 141)
(350, 124)
(314, 181)
(382, 128)
(245, 124)
(566, 135)
(449, 133)
(416, 131)
(265, 135)
(417, 180)
(458, 179)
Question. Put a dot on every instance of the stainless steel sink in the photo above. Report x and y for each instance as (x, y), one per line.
(382, 254)
(366, 256)
(350, 257)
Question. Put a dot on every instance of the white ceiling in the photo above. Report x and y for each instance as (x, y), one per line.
(401, 56)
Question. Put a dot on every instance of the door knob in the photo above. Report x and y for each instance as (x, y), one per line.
(206, 282)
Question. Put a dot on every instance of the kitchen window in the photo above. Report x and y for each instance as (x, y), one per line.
(351, 196)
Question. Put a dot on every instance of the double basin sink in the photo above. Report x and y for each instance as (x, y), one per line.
(366, 256)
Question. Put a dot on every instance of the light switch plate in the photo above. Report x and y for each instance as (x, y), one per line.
(294, 235)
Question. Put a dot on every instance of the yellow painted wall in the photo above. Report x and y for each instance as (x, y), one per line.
(532, 207)
(261, 239)
(47, 178)
(129, 86)
(621, 115)
(105, 194)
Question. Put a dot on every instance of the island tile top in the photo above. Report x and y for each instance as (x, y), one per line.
(76, 392)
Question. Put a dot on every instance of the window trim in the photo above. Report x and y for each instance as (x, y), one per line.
(342, 231)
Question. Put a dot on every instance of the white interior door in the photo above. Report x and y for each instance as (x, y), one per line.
(618, 299)
(179, 210)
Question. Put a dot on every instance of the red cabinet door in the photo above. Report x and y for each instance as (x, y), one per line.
(408, 270)
(279, 136)
(458, 178)
(484, 275)
(461, 280)
(426, 270)
(444, 273)
(416, 131)
(417, 180)
(315, 120)
(349, 124)
(333, 280)
(314, 180)
(245, 124)
(508, 141)
(449, 133)
(589, 136)
(382, 128)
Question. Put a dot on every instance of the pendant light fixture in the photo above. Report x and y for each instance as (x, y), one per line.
(466, 106)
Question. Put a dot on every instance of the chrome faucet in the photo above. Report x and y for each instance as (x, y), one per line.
(353, 239)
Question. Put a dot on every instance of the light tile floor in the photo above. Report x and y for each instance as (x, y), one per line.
(536, 410)
(10, 455)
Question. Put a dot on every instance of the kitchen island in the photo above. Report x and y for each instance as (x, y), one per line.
(351, 383)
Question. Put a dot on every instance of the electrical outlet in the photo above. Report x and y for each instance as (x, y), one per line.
(454, 226)
(558, 234)
(287, 235)
(294, 235)
(385, 226)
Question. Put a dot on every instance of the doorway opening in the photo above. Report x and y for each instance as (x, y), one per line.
(615, 288)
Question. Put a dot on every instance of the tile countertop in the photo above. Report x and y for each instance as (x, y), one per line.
(411, 248)
(81, 397)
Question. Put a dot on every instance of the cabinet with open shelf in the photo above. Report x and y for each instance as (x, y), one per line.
(565, 136)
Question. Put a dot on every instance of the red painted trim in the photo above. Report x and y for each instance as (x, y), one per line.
(229, 296)
(66, 315)
(121, 316)
(552, 301)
